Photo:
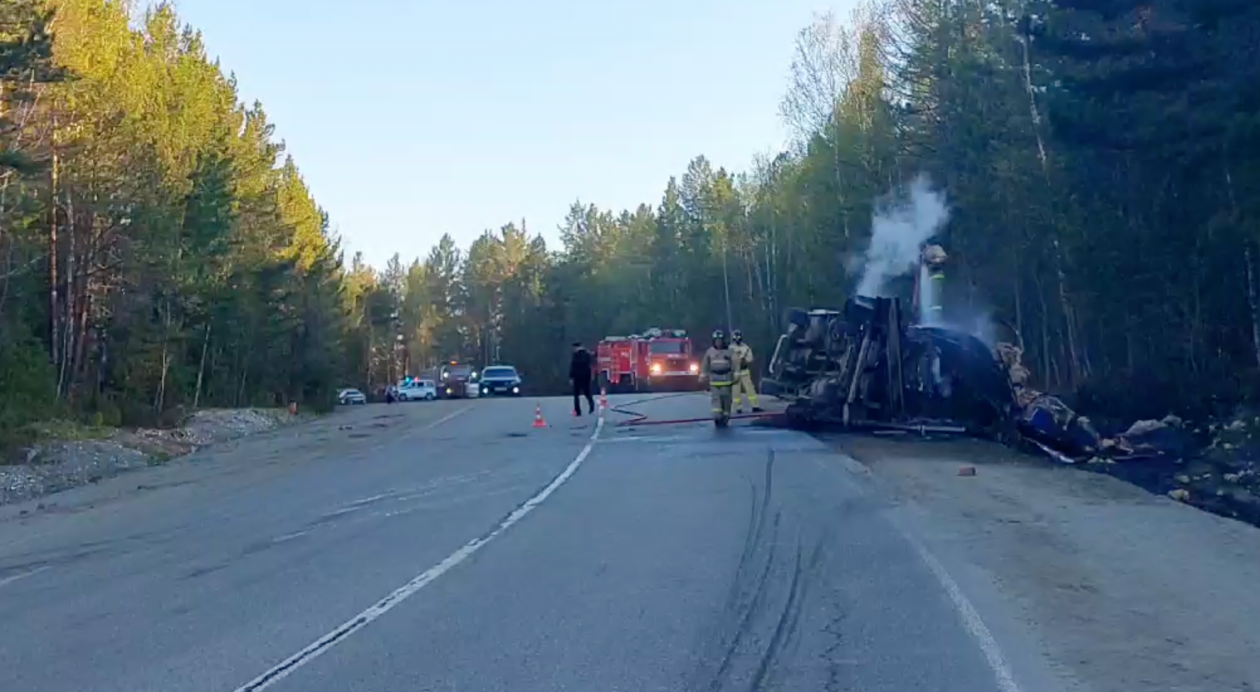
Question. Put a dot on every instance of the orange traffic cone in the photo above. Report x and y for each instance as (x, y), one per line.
(603, 397)
(538, 419)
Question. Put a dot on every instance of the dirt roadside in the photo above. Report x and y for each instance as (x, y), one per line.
(79, 473)
(1126, 591)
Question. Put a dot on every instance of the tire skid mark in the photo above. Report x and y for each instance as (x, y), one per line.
(753, 538)
(756, 519)
(787, 630)
(749, 611)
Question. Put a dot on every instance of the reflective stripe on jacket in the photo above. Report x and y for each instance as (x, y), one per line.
(743, 356)
(718, 365)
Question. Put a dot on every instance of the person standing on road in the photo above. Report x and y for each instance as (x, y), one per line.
(742, 358)
(580, 378)
(717, 368)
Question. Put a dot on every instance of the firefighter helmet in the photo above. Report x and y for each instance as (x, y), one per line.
(719, 335)
(737, 336)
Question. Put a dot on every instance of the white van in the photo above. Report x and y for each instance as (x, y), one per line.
(417, 390)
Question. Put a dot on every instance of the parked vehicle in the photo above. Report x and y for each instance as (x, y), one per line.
(455, 378)
(351, 397)
(500, 380)
(656, 360)
(416, 390)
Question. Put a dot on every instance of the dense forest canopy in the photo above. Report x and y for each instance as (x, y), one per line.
(1101, 163)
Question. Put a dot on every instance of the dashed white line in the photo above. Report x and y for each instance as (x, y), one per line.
(445, 418)
(289, 536)
(12, 578)
(358, 622)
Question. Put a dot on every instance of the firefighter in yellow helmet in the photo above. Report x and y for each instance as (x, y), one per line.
(743, 357)
(718, 368)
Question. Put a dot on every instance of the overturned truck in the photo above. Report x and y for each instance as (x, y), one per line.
(865, 367)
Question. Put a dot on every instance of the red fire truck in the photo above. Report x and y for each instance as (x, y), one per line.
(658, 359)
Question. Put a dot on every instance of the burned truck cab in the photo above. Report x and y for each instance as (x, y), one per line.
(863, 367)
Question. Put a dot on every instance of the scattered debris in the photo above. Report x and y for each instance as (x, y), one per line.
(863, 368)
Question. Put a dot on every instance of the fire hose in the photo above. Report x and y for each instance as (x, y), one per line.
(638, 418)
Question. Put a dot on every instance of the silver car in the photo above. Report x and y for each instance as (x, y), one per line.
(351, 397)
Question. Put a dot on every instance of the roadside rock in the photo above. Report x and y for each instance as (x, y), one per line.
(61, 465)
(220, 425)
(53, 466)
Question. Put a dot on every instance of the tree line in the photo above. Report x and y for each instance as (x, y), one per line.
(1099, 161)
(157, 250)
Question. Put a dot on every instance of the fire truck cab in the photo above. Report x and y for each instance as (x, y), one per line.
(457, 380)
(656, 360)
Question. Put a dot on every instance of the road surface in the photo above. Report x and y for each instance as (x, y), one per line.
(452, 546)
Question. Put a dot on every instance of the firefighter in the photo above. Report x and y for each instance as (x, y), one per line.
(718, 368)
(743, 358)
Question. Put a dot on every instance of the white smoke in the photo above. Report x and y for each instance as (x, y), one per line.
(899, 228)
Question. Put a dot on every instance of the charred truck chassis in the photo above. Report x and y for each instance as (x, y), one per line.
(864, 368)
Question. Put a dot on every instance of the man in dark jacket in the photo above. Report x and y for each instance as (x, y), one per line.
(580, 378)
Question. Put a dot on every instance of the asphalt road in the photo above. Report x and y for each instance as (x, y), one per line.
(451, 546)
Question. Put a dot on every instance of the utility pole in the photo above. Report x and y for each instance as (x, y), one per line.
(726, 285)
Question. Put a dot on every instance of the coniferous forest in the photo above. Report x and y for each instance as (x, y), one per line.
(1101, 161)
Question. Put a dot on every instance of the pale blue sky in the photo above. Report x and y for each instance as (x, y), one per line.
(410, 118)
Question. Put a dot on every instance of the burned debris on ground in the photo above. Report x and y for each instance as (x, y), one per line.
(864, 368)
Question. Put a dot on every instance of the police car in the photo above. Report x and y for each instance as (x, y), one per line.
(416, 390)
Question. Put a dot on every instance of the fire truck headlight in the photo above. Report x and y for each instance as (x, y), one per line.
(656, 368)
(695, 368)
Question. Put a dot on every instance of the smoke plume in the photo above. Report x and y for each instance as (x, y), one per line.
(899, 228)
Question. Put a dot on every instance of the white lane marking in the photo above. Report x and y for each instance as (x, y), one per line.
(971, 620)
(289, 536)
(646, 438)
(10, 579)
(358, 622)
(445, 418)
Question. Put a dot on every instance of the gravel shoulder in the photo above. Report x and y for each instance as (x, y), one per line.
(69, 476)
(1124, 590)
(75, 456)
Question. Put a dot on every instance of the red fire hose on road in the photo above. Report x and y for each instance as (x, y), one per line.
(642, 418)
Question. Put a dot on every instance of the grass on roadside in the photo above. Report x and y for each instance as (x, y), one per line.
(68, 431)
